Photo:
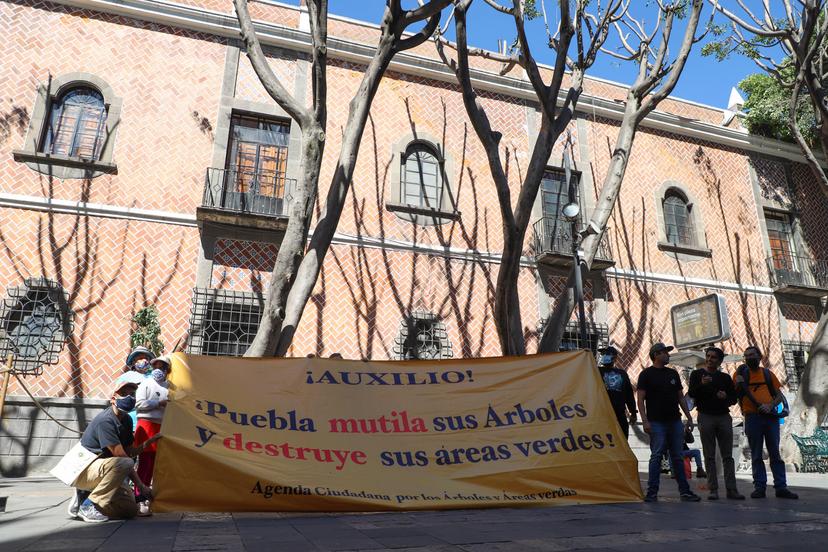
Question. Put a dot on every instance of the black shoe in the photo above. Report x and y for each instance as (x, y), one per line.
(785, 493)
(689, 497)
(701, 474)
(734, 495)
(714, 495)
(651, 498)
(758, 493)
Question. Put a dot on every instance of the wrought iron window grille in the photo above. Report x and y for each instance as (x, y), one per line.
(35, 322)
(223, 322)
(795, 357)
(422, 337)
(597, 336)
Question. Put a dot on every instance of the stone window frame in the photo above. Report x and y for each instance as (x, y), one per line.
(681, 252)
(417, 214)
(62, 166)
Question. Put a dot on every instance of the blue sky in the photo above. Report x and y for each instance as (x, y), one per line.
(704, 80)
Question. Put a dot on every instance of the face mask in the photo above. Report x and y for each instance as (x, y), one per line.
(125, 404)
(141, 365)
(159, 375)
(607, 360)
(752, 363)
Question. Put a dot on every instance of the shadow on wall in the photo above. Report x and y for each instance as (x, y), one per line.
(74, 258)
(465, 280)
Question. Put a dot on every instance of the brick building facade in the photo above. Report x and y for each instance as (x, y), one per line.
(185, 201)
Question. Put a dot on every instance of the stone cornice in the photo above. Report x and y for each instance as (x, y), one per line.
(223, 24)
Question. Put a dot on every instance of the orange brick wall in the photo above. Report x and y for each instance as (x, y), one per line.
(170, 81)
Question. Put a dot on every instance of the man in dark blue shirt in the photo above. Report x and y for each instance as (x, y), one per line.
(109, 435)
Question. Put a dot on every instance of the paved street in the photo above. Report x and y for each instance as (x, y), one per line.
(35, 520)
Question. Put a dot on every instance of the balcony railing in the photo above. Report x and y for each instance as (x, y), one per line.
(250, 192)
(799, 274)
(553, 239)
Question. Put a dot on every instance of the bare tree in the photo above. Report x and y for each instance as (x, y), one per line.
(296, 269)
(658, 73)
(577, 29)
(799, 35)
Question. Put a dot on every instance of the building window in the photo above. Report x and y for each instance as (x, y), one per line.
(258, 155)
(422, 337)
(421, 177)
(678, 219)
(597, 337)
(781, 244)
(72, 129)
(224, 323)
(36, 321)
(795, 356)
(77, 124)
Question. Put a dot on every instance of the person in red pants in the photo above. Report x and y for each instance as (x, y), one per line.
(150, 402)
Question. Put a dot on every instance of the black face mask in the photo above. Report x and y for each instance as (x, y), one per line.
(125, 404)
(753, 363)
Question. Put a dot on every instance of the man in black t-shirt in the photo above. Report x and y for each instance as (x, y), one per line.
(619, 389)
(714, 394)
(660, 396)
(102, 492)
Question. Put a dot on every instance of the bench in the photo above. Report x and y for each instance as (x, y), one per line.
(814, 451)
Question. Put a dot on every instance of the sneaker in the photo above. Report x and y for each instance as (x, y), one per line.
(758, 493)
(735, 495)
(651, 498)
(785, 493)
(144, 509)
(89, 512)
(701, 474)
(689, 497)
(714, 495)
(74, 504)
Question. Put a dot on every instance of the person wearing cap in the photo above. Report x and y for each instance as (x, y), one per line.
(619, 389)
(150, 403)
(101, 489)
(714, 394)
(139, 360)
(660, 396)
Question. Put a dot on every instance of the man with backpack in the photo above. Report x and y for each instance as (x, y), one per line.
(759, 395)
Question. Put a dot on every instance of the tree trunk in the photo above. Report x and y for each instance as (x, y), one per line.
(311, 265)
(811, 403)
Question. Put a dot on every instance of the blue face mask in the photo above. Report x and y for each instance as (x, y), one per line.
(125, 404)
(141, 365)
(159, 375)
(607, 360)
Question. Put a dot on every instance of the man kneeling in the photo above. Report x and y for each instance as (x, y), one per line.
(102, 491)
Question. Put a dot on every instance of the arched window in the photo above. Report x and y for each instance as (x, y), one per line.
(77, 124)
(678, 220)
(421, 177)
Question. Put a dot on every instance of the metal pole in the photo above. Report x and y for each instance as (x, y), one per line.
(576, 257)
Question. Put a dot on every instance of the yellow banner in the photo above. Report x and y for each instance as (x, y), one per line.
(338, 435)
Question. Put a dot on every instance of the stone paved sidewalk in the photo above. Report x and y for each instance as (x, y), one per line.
(35, 520)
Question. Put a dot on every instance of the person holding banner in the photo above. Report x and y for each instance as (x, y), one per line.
(150, 403)
(660, 395)
(619, 389)
(101, 489)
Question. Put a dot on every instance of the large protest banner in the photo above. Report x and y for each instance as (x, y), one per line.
(337, 435)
